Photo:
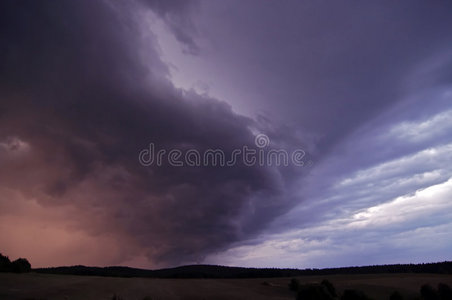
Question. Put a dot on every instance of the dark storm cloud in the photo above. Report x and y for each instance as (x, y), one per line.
(83, 89)
(77, 93)
(326, 67)
(345, 73)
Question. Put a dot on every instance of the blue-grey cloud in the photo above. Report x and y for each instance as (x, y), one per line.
(383, 197)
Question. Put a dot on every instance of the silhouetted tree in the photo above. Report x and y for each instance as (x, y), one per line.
(20, 265)
(354, 295)
(428, 292)
(5, 263)
(444, 291)
(396, 296)
(329, 287)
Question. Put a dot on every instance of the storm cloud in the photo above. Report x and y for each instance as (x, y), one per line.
(79, 102)
(362, 88)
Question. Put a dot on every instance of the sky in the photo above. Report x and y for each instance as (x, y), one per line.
(357, 94)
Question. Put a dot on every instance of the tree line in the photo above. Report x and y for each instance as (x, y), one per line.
(20, 265)
(212, 271)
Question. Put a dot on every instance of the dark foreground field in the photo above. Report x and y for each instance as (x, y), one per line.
(46, 286)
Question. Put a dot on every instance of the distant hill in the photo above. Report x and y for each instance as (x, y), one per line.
(212, 271)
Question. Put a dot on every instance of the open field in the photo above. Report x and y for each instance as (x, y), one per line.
(47, 286)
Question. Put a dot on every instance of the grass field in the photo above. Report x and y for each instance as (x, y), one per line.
(45, 286)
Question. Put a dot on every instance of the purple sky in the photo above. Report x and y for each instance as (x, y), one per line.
(365, 89)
